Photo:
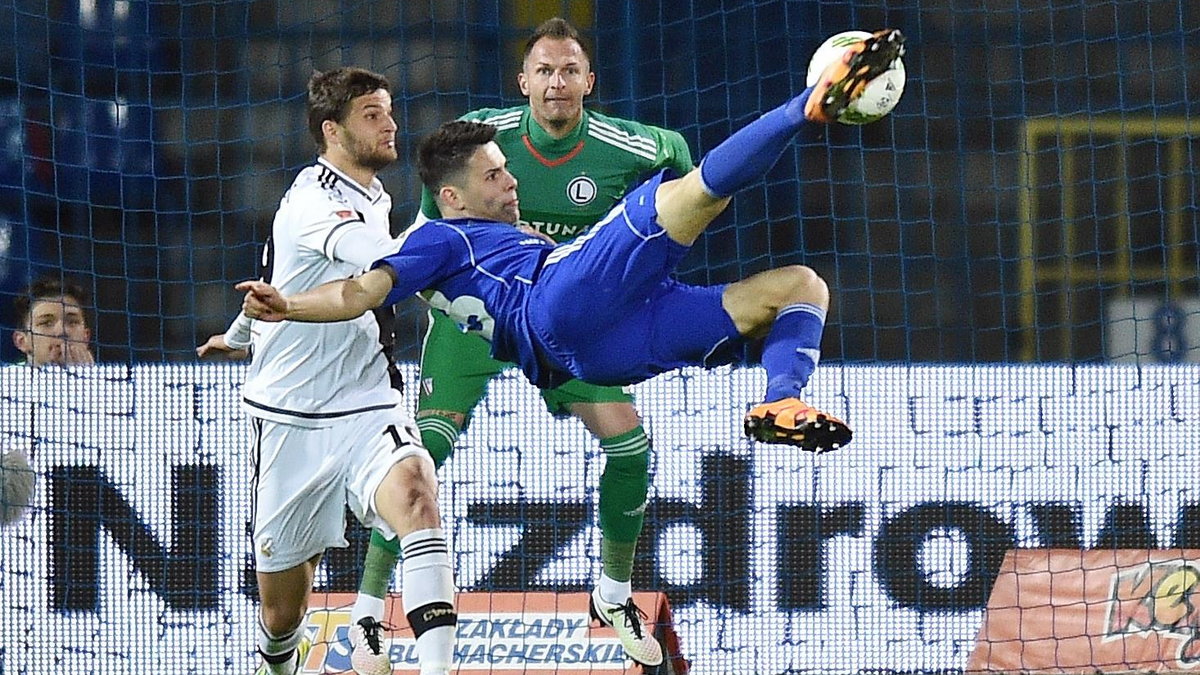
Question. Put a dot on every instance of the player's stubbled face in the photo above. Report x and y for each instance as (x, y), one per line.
(491, 191)
(369, 132)
(555, 78)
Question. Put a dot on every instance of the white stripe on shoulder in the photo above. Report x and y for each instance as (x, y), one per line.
(328, 185)
(647, 142)
(622, 144)
(505, 121)
(471, 253)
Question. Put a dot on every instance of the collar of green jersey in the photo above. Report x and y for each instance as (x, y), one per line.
(547, 144)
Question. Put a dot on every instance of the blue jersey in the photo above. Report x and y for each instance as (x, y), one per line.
(601, 307)
(479, 272)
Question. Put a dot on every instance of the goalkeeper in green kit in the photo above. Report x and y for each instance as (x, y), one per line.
(573, 165)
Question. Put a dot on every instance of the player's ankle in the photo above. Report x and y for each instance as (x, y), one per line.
(612, 591)
(796, 109)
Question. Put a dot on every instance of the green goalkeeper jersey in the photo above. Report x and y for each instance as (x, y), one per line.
(567, 184)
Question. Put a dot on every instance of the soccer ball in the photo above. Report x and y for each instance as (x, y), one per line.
(882, 93)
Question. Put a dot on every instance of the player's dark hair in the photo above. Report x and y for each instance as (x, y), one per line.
(330, 94)
(43, 289)
(556, 29)
(446, 151)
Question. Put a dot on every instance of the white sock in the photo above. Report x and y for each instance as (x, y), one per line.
(613, 591)
(271, 648)
(366, 605)
(428, 580)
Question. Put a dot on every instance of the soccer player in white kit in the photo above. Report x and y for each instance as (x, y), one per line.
(330, 425)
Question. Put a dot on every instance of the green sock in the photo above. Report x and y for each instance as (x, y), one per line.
(439, 435)
(382, 555)
(623, 488)
(617, 558)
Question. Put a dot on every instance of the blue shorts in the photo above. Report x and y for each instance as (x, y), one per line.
(605, 309)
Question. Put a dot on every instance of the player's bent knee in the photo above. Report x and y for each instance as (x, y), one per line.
(805, 276)
(281, 618)
(754, 302)
(789, 285)
(413, 488)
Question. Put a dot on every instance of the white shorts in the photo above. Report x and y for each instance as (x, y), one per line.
(305, 477)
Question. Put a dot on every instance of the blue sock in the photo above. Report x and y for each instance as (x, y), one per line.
(751, 151)
(792, 349)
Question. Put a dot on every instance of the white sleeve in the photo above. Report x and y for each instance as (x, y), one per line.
(337, 231)
(237, 336)
(359, 245)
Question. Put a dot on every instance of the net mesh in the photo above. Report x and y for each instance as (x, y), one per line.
(1027, 214)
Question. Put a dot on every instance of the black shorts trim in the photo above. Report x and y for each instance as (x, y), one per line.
(316, 416)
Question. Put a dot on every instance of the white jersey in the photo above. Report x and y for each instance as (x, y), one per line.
(328, 227)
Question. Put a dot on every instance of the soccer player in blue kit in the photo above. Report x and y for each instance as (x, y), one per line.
(602, 307)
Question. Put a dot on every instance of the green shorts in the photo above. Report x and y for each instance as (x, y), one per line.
(456, 367)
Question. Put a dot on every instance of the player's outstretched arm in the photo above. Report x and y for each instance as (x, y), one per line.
(333, 301)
